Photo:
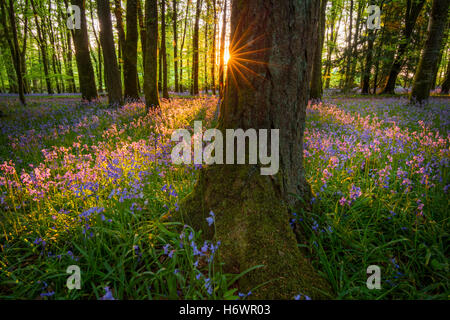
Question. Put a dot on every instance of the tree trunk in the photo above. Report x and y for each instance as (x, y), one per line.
(14, 47)
(43, 47)
(182, 46)
(163, 53)
(85, 70)
(446, 83)
(222, 53)
(425, 71)
(348, 50)
(120, 31)
(112, 72)
(195, 56)
(316, 79)
(151, 55)
(130, 53)
(142, 28)
(267, 88)
(213, 51)
(175, 43)
(413, 9)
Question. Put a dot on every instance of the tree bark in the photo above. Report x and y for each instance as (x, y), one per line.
(112, 72)
(195, 56)
(222, 52)
(267, 88)
(130, 53)
(120, 31)
(423, 78)
(14, 47)
(42, 42)
(175, 43)
(316, 80)
(446, 84)
(151, 55)
(213, 51)
(85, 70)
(163, 52)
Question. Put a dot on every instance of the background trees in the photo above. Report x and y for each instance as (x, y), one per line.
(193, 50)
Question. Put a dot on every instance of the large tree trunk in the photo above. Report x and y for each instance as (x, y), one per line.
(316, 80)
(85, 69)
(267, 88)
(130, 53)
(175, 43)
(163, 53)
(413, 9)
(195, 56)
(423, 79)
(112, 72)
(151, 55)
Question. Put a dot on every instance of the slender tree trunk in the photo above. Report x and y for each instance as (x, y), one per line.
(206, 88)
(222, 52)
(163, 53)
(130, 53)
(316, 80)
(85, 70)
(175, 43)
(213, 51)
(425, 71)
(43, 47)
(142, 28)
(112, 72)
(182, 45)
(252, 217)
(195, 56)
(120, 32)
(14, 47)
(413, 9)
(446, 83)
(151, 55)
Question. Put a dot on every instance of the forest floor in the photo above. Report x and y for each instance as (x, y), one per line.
(94, 187)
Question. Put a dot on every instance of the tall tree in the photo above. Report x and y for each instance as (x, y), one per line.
(222, 52)
(195, 55)
(213, 50)
(14, 46)
(112, 72)
(130, 53)
(164, 50)
(182, 43)
(267, 88)
(151, 55)
(42, 42)
(316, 80)
(413, 9)
(120, 30)
(85, 70)
(446, 83)
(175, 43)
(423, 79)
(369, 57)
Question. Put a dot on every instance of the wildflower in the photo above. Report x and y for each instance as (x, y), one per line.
(210, 219)
(108, 295)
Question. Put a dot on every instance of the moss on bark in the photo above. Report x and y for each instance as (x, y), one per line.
(252, 224)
